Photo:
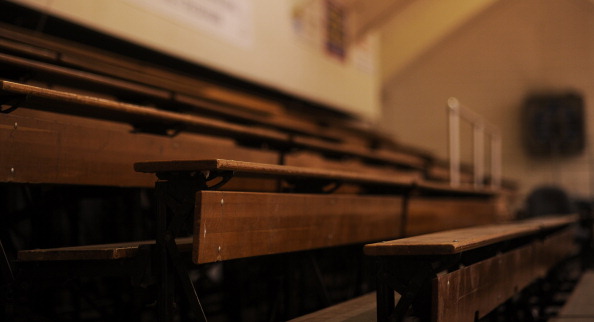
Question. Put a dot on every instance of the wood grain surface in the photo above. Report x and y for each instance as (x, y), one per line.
(43, 147)
(237, 224)
(94, 107)
(432, 214)
(242, 168)
(477, 289)
(459, 240)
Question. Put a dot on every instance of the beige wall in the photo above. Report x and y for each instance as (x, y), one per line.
(491, 63)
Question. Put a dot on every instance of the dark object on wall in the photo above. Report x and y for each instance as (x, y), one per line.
(548, 200)
(554, 124)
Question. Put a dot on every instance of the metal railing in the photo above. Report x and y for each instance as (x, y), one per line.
(481, 130)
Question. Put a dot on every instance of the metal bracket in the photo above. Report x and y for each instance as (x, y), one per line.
(9, 103)
(196, 180)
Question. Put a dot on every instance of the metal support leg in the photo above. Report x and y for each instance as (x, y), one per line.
(323, 291)
(185, 281)
(166, 279)
(385, 296)
(175, 204)
(6, 286)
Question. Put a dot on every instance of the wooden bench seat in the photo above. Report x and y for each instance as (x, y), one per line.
(461, 275)
(364, 152)
(241, 168)
(144, 118)
(112, 251)
(460, 240)
(411, 180)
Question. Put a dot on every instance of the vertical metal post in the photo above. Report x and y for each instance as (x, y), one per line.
(496, 160)
(454, 141)
(166, 274)
(479, 153)
(385, 298)
(7, 274)
(480, 129)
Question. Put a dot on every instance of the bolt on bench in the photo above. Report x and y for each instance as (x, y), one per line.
(461, 275)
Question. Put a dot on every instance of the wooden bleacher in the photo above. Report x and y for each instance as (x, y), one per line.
(485, 265)
(230, 225)
(311, 188)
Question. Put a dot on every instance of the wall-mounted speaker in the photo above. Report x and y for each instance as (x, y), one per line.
(554, 125)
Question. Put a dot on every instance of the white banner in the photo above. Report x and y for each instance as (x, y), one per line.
(227, 19)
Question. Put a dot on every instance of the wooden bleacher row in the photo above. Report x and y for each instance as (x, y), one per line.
(230, 225)
(148, 119)
(77, 115)
(384, 209)
(465, 274)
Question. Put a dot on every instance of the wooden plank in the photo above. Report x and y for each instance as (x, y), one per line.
(359, 309)
(241, 168)
(428, 215)
(476, 290)
(88, 106)
(279, 122)
(26, 49)
(375, 155)
(233, 225)
(316, 160)
(105, 83)
(42, 147)
(150, 75)
(460, 240)
(94, 252)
